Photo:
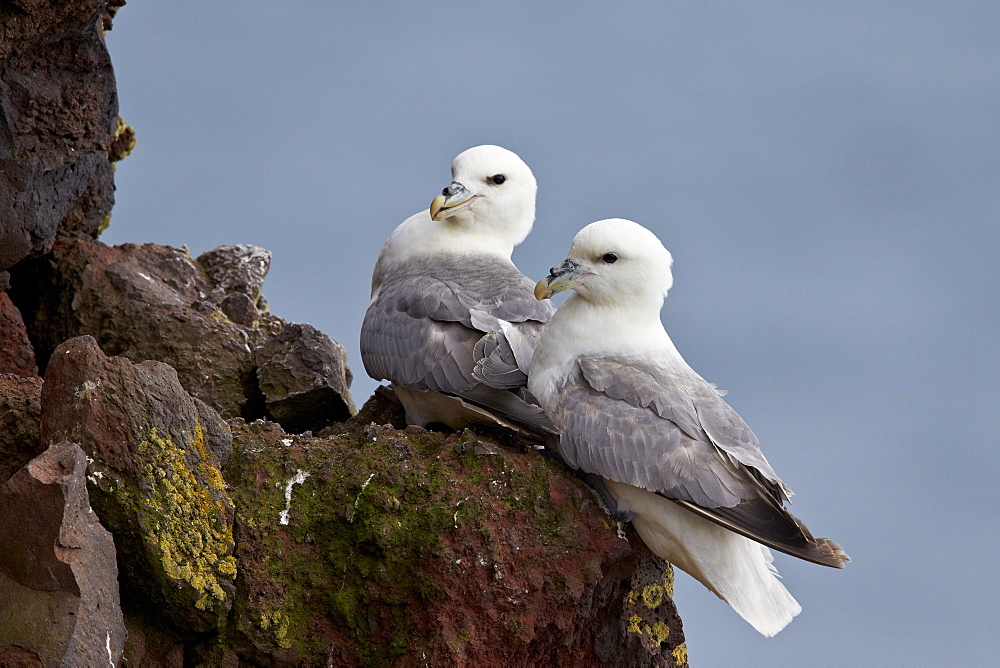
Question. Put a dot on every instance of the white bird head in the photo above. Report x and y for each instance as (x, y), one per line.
(615, 262)
(492, 192)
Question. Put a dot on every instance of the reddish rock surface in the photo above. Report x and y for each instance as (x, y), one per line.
(379, 546)
(143, 302)
(237, 269)
(20, 413)
(16, 353)
(154, 454)
(58, 119)
(153, 302)
(371, 546)
(58, 577)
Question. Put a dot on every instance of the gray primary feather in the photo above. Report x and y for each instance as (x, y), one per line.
(433, 320)
(689, 402)
(669, 432)
(502, 356)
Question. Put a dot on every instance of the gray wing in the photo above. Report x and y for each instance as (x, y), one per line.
(413, 334)
(688, 401)
(670, 433)
(504, 354)
(463, 325)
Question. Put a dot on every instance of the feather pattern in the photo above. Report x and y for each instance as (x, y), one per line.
(629, 420)
(459, 324)
(432, 321)
(671, 453)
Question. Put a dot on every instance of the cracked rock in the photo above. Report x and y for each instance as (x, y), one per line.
(304, 376)
(155, 480)
(58, 575)
(239, 268)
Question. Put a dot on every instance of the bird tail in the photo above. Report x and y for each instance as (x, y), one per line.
(480, 405)
(784, 532)
(736, 569)
(515, 409)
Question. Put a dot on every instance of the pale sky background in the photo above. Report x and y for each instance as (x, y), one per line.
(826, 175)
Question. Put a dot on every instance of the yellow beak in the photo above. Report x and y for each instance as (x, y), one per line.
(445, 205)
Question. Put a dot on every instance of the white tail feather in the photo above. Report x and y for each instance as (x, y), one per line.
(737, 569)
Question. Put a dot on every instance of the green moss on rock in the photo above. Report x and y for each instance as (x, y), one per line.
(383, 546)
(368, 526)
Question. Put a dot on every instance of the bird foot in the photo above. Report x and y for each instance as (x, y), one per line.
(608, 502)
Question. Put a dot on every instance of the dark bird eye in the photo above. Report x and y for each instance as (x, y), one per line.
(498, 179)
(610, 258)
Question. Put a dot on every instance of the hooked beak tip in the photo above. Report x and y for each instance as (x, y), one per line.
(542, 290)
(437, 204)
(565, 276)
(452, 199)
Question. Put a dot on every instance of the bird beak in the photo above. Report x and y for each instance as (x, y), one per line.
(452, 199)
(565, 276)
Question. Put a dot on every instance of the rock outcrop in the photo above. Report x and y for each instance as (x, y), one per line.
(154, 455)
(375, 544)
(236, 270)
(58, 124)
(20, 414)
(191, 483)
(304, 376)
(59, 603)
(238, 542)
(17, 356)
(153, 302)
(430, 548)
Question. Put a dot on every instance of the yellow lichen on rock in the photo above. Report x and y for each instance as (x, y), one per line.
(652, 629)
(277, 620)
(212, 475)
(635, 624)
(653, 594)
(123, 142)
(681, 655)
(104, 224)
(660, 632)
(194, 538)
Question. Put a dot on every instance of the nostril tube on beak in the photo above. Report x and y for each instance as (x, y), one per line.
(453, 189)
(566, 267)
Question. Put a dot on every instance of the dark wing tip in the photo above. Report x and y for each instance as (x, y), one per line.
(776, 528)
(834, 554)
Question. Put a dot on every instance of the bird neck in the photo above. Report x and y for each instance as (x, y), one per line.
(469, 236)
(609, 328)
(581, 328)
(419, 236)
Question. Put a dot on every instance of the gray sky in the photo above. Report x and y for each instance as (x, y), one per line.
(827, 177)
